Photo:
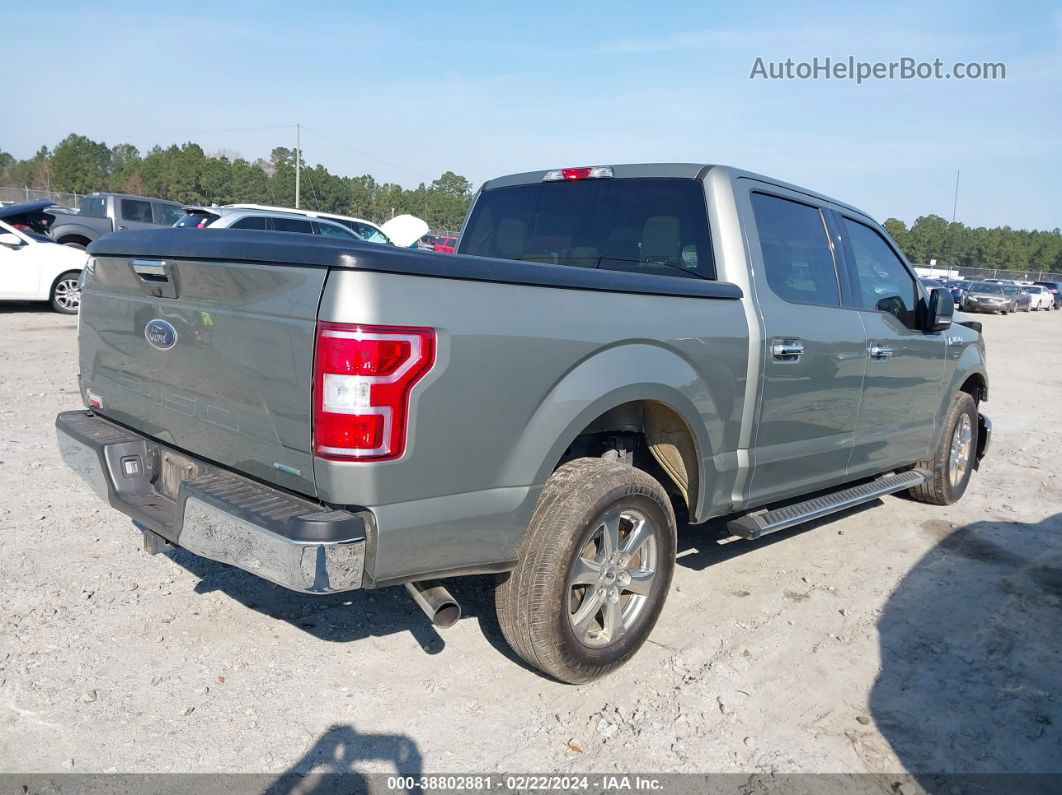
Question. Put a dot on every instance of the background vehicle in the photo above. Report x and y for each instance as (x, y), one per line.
(261, 220)
(1055, 288)
(101, 213)
(987, 297)
(445, 245)
(32, 266)
(393, 418)
(35, 216)
(958, 288)
(1020, 300)
(366, 230)
(1039, 297)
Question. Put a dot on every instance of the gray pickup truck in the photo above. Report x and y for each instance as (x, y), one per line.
(100, 213)
(609, 348)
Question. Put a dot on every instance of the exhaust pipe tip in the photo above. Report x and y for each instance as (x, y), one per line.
(437, 603)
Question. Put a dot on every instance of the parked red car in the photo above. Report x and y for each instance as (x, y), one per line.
(445, 245)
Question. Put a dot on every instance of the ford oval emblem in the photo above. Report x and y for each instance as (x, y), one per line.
(160, 334)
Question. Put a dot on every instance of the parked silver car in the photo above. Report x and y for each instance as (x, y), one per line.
(262, 220)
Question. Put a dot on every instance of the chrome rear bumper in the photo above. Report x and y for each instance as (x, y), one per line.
(215, 513)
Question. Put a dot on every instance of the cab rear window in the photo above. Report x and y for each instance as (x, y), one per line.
(653, 226)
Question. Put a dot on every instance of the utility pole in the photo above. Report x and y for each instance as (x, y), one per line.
(298, 161)
(955, 204)
(945, 250)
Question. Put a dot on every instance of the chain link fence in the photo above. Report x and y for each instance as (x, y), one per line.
(977, 274)
(71, 200)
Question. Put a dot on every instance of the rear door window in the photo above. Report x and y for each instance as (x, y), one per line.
(250, 222)
(137, 210)
(650, 226)
(797, 258)
(292, 225)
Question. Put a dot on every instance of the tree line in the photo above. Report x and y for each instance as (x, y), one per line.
(187, 174)
(955, 244)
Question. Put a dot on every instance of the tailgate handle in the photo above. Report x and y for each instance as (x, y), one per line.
(151, 269)
(157, 277)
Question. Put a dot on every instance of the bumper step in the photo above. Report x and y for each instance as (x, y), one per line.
(760, 523)
(180, 500)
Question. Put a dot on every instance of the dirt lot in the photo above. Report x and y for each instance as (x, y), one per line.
(897, 637)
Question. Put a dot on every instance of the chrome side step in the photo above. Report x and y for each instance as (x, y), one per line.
(760, 523)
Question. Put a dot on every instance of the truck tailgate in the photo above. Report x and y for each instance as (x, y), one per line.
(213, 357)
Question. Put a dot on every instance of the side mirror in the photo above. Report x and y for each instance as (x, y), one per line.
(10, 239)
(941, 310)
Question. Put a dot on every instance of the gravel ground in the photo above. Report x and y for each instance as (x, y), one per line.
(898, 637)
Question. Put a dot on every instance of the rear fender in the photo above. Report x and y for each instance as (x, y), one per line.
(607, 379)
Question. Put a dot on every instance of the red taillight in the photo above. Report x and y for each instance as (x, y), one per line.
(362, 379)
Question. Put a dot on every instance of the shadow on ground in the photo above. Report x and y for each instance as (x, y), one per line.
(339, 618)
(354, 615)
(26, 308)
(971, 653)
(331, 764)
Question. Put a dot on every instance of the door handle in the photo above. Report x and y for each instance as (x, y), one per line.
(787, 350)
(880, 353)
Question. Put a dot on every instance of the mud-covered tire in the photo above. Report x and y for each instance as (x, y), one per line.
(945, 484)
(539, 601)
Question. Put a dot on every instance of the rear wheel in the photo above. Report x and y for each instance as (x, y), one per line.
(66, 297)
(951, 466)
(595, 568)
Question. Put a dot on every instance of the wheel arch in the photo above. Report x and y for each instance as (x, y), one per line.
(640, 388)
(976, 385)
(60, 275)
(73, 233)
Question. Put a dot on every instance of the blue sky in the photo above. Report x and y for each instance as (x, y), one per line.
(405, 91)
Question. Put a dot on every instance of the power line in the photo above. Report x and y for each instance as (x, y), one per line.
(365, 154)
(168, 133)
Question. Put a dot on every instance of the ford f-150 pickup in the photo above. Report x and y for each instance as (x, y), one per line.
(609, 348)
(101, 213)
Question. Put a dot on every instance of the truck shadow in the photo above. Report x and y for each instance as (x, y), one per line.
(331, 763)
(338, 618)
(355, 615)
(971, 663)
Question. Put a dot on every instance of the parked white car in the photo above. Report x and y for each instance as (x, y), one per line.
(366, 230)
(1039, 297)
(402, 230)
(33, 267)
